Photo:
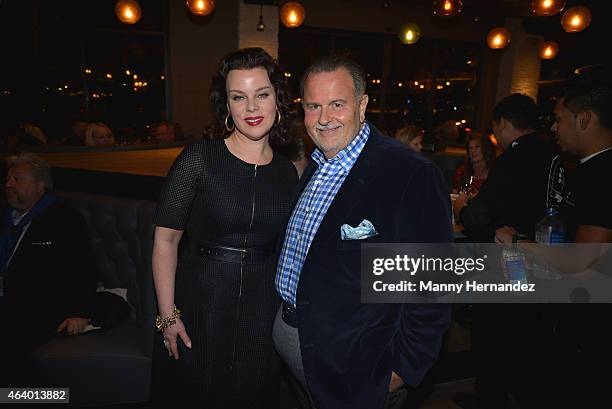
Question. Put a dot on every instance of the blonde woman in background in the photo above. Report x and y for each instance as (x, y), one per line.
(411, 136)
(99, 134)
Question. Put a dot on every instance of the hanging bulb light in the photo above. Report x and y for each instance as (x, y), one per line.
(447, 8)
(292, 14)
(544, 8)
(128, 11)
(576, 19)
(261, 26)
(548, 50)
(498, 38)
(409, 33)
(201, 7)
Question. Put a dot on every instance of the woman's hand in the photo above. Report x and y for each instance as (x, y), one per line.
(459, 203)
(171, 334)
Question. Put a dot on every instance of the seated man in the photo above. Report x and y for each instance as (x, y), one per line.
(46, 265)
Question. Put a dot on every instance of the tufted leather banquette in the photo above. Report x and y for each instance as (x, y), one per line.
(113, 366)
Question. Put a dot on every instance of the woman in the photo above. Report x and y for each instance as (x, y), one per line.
(411, 136)
(470, 176)
(99, 134)
(231, 196)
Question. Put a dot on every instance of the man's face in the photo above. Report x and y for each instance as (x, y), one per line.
(332, 113)
(164, 134)
(565, 128)
(21, 188)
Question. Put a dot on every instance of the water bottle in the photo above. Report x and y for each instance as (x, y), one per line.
(513, 262)
(549, 231)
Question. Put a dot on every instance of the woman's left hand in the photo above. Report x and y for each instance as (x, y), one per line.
(459, 203)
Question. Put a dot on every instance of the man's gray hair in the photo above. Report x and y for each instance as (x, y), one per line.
(332, 63)
(41, 170)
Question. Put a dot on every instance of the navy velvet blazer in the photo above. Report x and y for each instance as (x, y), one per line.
(348, 348)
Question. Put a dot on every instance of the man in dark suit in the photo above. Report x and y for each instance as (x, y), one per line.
(346, 354)
(46, 263)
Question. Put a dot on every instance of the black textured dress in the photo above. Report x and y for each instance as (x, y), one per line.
(228, 308)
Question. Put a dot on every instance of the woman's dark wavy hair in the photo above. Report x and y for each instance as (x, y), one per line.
(246, 59)
(487, 148)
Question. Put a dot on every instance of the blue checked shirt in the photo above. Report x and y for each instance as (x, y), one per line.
(310, 210)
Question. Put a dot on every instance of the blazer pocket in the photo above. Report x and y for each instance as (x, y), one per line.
(349, 245)
(355, 245)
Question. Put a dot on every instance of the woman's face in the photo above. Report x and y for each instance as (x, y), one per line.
(416, 144)
(102, 137)
(251, 101)
(475, 151)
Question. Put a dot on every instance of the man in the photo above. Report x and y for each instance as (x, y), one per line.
(346, 354)
(515, 190)
(514, 194)
(164, 133)
(45, 262)
(575, 347)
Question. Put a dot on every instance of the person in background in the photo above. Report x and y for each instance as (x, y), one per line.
(164, 133)
(411, 136)
(515, 190)
(573, 350)
(34, 136)
(46, 266)
(230, 197)
(514, 194)
(480, 154)
(99, 134)
(77, 133)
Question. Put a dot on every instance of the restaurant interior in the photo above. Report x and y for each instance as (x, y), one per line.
(140, 68)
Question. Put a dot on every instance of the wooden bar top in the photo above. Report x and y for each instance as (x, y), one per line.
(149, 162)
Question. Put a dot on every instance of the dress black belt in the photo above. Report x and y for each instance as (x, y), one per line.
(251, 255)
(289, 315)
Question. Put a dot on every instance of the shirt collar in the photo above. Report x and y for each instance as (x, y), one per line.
(583, 160)
(518, 140)
(16, 216)
(347, 156)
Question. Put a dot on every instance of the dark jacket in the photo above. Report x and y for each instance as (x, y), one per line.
(51, 275)
(514, 193)
(348, 348)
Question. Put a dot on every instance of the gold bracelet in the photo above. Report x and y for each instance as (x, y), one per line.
(163, 323)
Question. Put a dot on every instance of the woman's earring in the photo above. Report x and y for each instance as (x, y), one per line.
(278, 117)
(227, 126)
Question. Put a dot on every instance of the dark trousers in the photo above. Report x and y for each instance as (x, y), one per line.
(503, 337)
(572, 360)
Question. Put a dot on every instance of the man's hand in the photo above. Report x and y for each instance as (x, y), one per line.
(73, 326)
(396, 382)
